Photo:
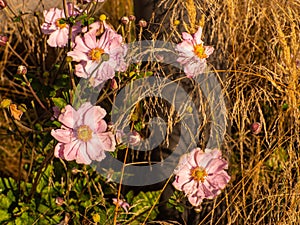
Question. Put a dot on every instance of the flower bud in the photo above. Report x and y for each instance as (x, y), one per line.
(22, 70)
(132, 18)
(105, 57)
(176, 22)
(142, 23)
(256, 128)
(69, 59)
(120, 136)
(74, 171)
(102, 17)
(3, 40)
(125, 20)
(114, 84)
(59, 201)
(3, 4)
(134, 138)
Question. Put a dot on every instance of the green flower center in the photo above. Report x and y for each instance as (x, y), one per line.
(96, 54)
(199, 174)
(199, 51)
(84, 133)
(61, 23)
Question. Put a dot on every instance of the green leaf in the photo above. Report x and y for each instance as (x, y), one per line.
(142, 203)
(4, 215)
(59, 102)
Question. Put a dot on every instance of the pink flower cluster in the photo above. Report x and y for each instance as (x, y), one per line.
(193, 53)
(201, 175)
(83, 135)
(98, 57)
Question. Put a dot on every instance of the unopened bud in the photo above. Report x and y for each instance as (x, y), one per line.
(59, 201)
(125, 20)
(75, 171)
(256, 128)
(120, 136)
(69, 59)
(3, 4)
(134, 138)
(3, 40)
(114, 84)
(132, 18)
(102, 17)
(22, 70)
(142, 23)
(176, 22)
(105, 57)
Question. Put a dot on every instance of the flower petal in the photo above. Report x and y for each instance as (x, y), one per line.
(68, 117)
(82, 156)
(62, 135)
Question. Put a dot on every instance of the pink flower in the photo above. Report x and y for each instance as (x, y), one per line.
(99, 58)
(83, 136)
(121, 203)
(193, 54)
(56, 25)
(201, 175)
(94, 0)
(3, 40)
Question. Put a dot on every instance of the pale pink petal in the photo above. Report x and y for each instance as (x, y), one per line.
(68, 116)
(101, 126)
(62, 37)
(197, 36)
(216, 165)
(59, 150)
(81, 45)
(107, 140)
(95, 149)
(52, 39)
(82, 156)
(93, 116)
(78, 56)
(90, 40)
(62, 135)
(105, 39)
(186, 47)
(71, 149)
(80, 71)
(209, 50)
(186, 36)
(219, 180)
(195, 200)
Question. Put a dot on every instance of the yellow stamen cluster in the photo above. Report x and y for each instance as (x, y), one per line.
(199, 50)
(61, 23)
(96, 54)
(84, 133)
(199, 174)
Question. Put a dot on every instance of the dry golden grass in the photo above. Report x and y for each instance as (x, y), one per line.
(257, 43)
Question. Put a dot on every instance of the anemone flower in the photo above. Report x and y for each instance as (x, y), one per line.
(56, 25)
(193, 54)
(99, 59)
(201, 175)
(83, 136)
